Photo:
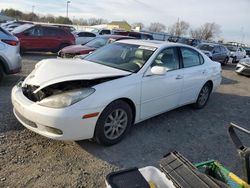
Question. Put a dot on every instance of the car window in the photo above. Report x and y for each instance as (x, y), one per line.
(129, 57)
(105, 32)
(191, 57)
(216, 49)
(50, 31)
(86, 34)
(167, 58)
(36, 32)
(97, 43)
(207, 47)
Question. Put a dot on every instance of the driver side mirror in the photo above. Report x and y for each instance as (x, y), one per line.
(158, 70)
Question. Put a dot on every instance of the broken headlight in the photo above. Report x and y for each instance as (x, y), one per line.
(66, 98)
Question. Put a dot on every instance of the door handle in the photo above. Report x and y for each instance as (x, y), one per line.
(179, 77)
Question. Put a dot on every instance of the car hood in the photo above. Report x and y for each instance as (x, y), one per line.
(245, 62)
(77, 49)
(52, 71)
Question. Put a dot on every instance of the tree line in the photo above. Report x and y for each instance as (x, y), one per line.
(207, 31)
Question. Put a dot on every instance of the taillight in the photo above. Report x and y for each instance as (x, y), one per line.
(10, 42)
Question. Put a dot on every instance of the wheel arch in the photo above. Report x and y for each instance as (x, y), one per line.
(131, 104)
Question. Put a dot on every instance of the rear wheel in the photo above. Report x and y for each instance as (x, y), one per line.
(203, 96)
(113, 123)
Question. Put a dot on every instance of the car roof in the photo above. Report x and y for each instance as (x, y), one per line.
(151, 43)
(115, 36)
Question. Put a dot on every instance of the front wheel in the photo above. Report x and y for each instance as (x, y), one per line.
(203, 96)
(113, 123)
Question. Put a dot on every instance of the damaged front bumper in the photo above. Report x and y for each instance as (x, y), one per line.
(60, 124)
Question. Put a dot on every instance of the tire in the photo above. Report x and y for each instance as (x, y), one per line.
(234, 59)
(113, 123)
(1, 73)
(225, 61)
(203, 96)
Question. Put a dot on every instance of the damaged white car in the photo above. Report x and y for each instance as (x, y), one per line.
(116, 86)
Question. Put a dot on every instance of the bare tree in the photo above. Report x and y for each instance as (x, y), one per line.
(207, 31)
(138, 24)
(179, 28)
(156, 27)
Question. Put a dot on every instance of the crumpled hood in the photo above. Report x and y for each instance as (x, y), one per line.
(51, 71)
(77, 49)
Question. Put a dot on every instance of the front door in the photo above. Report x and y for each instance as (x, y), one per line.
(161, 93)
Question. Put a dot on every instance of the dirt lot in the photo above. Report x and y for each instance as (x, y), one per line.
(30, 160)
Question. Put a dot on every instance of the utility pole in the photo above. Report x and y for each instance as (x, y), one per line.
(33, 7)
(67, 12)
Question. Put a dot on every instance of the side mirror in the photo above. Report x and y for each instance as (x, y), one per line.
(158, 70)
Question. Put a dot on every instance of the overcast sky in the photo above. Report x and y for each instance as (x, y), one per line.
(232, 15)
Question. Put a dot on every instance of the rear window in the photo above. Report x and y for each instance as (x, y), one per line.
(2, 31)
(206, 47)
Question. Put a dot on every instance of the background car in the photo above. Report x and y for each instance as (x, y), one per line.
(216, 52)
(43, 38)
(82, 37)
(237, 53)
(116, 86)
(10, 59)
(74, 50)
(141, 35)
(243, 67)
(247, 49)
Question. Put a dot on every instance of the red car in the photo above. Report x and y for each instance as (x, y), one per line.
(43, 38)
(74, 50)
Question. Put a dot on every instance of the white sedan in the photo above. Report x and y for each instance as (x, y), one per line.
(118, 85)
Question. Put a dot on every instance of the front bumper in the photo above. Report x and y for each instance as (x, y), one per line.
(60, 124)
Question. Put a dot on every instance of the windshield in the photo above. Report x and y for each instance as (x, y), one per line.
(206, 47)
(97, 42)
(22, 28)
(128, 57)
(232, 48)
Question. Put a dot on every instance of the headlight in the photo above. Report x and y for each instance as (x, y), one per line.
(66, 98)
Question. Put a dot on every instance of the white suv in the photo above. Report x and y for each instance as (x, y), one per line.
(10, 59)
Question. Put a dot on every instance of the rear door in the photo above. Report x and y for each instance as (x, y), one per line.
(194, 75)
(161, 93)
(32, 38)
(53, 37)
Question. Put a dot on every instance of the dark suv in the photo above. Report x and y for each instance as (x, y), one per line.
(43, 38)
(216, 52)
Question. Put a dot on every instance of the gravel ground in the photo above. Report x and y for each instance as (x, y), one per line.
(30, 160)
